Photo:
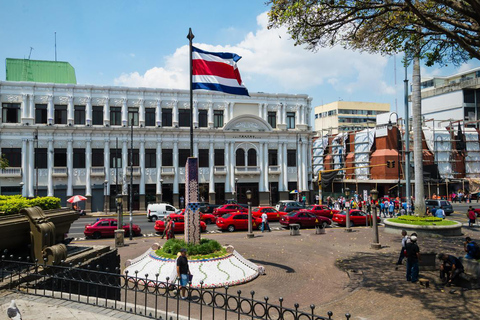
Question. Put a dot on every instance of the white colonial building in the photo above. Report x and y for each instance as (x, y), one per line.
(67, 139)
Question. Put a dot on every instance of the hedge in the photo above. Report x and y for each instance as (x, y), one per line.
(207, 248)
(13, 204)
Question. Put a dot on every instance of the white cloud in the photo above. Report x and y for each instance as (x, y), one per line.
(271, 63)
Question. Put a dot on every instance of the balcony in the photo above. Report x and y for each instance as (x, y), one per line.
(220, 170)
(274, 170)
(136, 171)
(11, 173)
(250, 170)
(97, 171)
(59, 172)
(168, 171)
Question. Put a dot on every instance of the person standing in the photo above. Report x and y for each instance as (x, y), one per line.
(413, 256)
(402, 251)
(170, 229)
(265, 222)
(471, 216)
(183, 272)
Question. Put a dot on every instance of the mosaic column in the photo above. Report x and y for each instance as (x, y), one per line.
(192, 213)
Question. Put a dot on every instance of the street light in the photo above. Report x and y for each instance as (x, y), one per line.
(390, 127)
(347, 226)
(120, 232)
(236, 189)
(376, 242)
(105, 200)
(249, 201)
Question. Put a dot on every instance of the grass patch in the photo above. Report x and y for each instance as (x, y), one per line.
(422, 221)
(206, 249)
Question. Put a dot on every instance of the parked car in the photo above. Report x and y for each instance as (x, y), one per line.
(227, 208)
(237, 221)
(304, 219)
(272, 213)
(106, 228)
(157, 211)
(357, 218)
(289, 205)
(179, 220)
(208, 218)
(319, 210)
(208, 208)
(444, 204)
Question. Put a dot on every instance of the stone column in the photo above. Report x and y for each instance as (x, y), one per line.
(124, 170)
(159, 171)
(260, 110)
(261, 164)
(195, 149)
(31, 161)
(176, 196)
(50, 168)
(125, 122)
(50, 109)
(175, 114)
(106, 164)
(264, 194)
(232, 105)
(142, 174)
(31, 111)
(227, 166)
(158, 113)
(69, 167)
(88, 171)
(226, 113)
(280, 164)
(88, 109)
(141, 113)
(285, 170)
(211, 167)
(305, 166)
(210, 116)
(106, 112)
(24, 108)
(70, 111)
(298, 166)
(195, 114)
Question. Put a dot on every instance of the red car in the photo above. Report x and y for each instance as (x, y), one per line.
(227, 208)
(272, 213)
(208, 218)
(237, 221)
(357, 218)
(304, 219)
(107, 227)
(319, 210)
(179, 220)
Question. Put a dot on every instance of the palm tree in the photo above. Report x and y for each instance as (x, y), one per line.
(417, 138)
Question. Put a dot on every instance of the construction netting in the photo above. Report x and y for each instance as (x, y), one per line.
(319, 146)
(472, 159)
(338, 151)
(439, 143)
(363, 144)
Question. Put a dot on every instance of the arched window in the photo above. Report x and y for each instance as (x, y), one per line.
(252, 157)
(240, 158)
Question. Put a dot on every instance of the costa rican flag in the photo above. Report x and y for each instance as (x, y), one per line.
(216, 71)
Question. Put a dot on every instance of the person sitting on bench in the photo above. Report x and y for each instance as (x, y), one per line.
(450, 268)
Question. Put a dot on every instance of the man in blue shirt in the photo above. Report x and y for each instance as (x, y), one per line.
(440, 213)
(450, 268)
(471, 248)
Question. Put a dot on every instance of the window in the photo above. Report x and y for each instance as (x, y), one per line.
(132, 115)
(115, 158)
(11, 113)
(98, 159)
(59, 157)
(252, 157)
(203, 158)
(166, 117)
(135, 157)
(218, 118)
(203, 118)
(97, 115)
(290, 120)
(150, 117)
(240, 158)
(167, 157)
(183, 155)
(60, 114)
(116, 116)
(219, 157)
(184, 117)
(272, 119)
(13, 156)
(40, 113)
(79, 158)
(272, 157)
(41, 159)
(150, 158)
(291, 158)
(79, 115)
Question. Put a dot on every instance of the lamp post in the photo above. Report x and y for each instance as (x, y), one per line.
(36, 162)
(390, 127)
(347, 225)
(105, 201)
(161, 191)
(131, 181)
(376, 242)
(119, 233)
(236, 189)
(249, 201)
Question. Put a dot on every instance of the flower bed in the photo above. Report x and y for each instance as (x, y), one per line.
(422, 221)
(13, 204)
(206, 249)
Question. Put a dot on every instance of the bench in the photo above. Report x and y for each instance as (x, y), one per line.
(294, 229)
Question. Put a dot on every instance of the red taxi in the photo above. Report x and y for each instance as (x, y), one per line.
(237, 221)
(357, 218)
(272, 213)
(227, 208)
(319, 210)
(304, 219)
(179, 220)
(208, 218)
(107, 227)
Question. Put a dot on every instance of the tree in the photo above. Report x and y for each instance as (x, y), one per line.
(440, 31)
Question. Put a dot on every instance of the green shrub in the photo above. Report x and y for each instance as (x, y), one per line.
(415, 218)
(422, 221)
(13, 204)
(207, 248)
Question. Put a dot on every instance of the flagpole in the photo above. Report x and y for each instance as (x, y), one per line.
(190, 37)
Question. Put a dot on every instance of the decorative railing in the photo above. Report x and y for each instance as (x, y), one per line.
(168, 171)
(247, 170)
(11, 172)
(274, 169)
(136, 171)
(132, 294)
(97, 171)
(59, 171)
(220, 170)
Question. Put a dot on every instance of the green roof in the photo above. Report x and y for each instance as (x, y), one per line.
(40, 71)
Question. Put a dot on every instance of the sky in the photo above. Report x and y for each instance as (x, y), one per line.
(143, 44)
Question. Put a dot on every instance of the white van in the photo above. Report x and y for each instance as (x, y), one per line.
(157, 211)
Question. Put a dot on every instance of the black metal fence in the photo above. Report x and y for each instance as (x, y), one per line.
(131, 293)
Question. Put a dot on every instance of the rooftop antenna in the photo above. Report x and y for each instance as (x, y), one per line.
(30, 54)
(55, 46)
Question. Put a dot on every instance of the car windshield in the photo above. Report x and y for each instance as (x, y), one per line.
(226, 215)
(310, 207)
(291, 214)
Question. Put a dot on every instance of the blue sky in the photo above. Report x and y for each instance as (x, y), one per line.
(143, 43)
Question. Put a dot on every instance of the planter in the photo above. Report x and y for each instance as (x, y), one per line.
(452, 230)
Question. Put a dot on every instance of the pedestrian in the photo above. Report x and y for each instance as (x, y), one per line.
(183, 272)
(471, 248)
(265, 222)
(450, 268)
(170, 229)
(391, 209)
(413, 256)
(471, 216)
(402, 251)
(439, 213)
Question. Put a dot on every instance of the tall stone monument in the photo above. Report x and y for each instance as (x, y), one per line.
(192, 207)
